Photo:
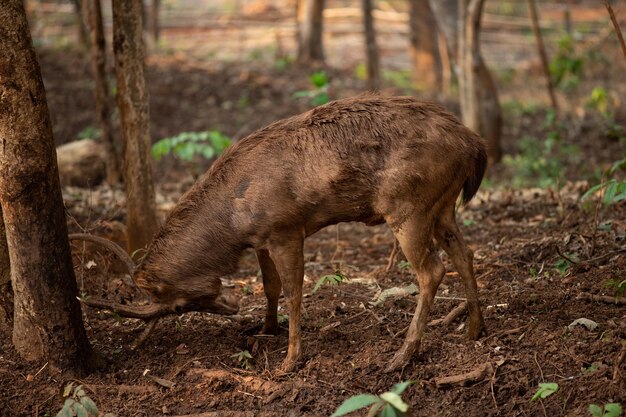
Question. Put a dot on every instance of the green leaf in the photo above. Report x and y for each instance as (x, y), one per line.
(595, 410)
(319, 99)
(355, 403)
(389, 411)
(545, 390)
(81, 412)
(612, 410)
(610, 192)
(319, 79)
(395, 400)
(66, 411)
(90, 406)
(401, 386)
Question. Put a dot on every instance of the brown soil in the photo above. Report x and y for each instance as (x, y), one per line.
(187, 366)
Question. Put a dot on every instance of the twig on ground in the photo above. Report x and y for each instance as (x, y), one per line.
(602, 298)
(564, 256)
(451, 316)
(476, 375)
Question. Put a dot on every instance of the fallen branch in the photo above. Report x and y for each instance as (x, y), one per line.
(602, 298)
(451, 316)
(481, 372)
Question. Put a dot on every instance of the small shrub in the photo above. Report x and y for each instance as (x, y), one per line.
(566, 67)
(318, 94)
(243, 358)
(388, 404)
(609, 410)
(78, 404)
(332, 279)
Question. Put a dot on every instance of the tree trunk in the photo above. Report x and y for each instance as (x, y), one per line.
(47, 318)
(371, 50)
(478, 93)
(101, 91)
(310, 20)
(132, 100)
(81, 18)
(6, 292)
(534, 22)
(424, 47)
(154, 20)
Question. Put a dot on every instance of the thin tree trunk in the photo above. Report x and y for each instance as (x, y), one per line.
(132, 100)
(371, 50)
(454, 27)
(101, 91)
(310, 29)
(47, 319)
(618, 31)
(424, 48)
(154, 20)
(534, 22)
(81, 18)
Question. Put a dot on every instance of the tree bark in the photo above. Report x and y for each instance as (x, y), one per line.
(424, 49)
(47, 318)
(132, 100)
(310, 25)
(480, 86)
(6, 292)
(101, 90)
(154, 20)
(371, 50)
(81, 18)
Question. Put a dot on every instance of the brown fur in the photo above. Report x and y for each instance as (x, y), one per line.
(369, 159)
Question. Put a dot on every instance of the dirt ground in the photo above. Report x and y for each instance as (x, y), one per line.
(530, 295)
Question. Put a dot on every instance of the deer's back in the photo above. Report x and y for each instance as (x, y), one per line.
(351, 160)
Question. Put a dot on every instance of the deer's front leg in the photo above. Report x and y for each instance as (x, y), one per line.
(286, 251)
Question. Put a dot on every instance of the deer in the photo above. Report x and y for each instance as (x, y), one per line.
(369, 159)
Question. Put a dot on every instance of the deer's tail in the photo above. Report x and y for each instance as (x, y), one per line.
(476, 172)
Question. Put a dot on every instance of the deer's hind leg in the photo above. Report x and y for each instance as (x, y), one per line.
(450, 239)
(416, 240)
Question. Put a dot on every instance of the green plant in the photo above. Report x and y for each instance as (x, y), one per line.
(78, 404)
(318, 94)
(388, 404)
(400, 79)
(545, 390)
(243, 357)
(540, 162)
(566, 66)
(187, 145)
(90, 132)
(618, 286)
(614, 190)
(332, 279)
(404, 265)
(563, 265)
(609, 410)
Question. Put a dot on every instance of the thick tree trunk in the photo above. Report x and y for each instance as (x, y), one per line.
(424, 49)
(310, 23)
(371, 50)
(47, 318)
(132, 100)
(101, 91)
(479, 92)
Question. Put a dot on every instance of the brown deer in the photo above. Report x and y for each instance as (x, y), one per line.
(371, 159)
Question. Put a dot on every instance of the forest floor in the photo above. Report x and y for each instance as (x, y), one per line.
(522, 237)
